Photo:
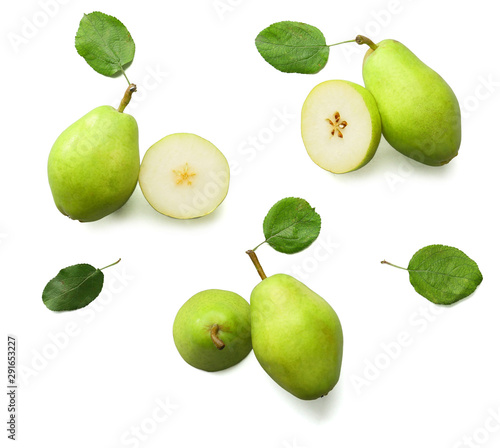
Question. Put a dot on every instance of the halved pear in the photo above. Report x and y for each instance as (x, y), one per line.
(341, 126)
(184, 176)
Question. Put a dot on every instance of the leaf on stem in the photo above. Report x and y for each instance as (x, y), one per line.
(293, 47)
(291, 225)
(105, 43)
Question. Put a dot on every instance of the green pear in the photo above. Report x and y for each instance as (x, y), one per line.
(340, 126)
(212, 330)
(420, 113)
(296, 336)
(93, 166)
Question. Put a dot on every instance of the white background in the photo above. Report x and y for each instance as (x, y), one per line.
(413, 374)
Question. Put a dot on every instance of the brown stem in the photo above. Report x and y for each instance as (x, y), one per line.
(127, 97)
(362, 40)
(215, 337)
(256, 263)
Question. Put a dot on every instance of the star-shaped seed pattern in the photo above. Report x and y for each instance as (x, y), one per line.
(337, 125)
(184, 175)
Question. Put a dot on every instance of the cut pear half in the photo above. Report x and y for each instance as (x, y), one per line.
(341, 126)
(184, 176)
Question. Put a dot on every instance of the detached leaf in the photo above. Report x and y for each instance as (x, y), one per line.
(291, 225)
(105, 43)
(293, 47)
(74, 287)
(443, 274)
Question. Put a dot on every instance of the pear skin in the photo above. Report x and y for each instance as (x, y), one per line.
(419, 111)
(296, 336)
(93, 166)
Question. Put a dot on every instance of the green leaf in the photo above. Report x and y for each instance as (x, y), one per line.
(105, 43)
(443, 274)
(73, 287)
(291, 225)
(293, 47)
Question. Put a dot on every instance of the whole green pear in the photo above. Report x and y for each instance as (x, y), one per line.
(212, 330)
(296, 336)
(419, 111)
(93, 166)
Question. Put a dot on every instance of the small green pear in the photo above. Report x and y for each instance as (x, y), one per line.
(296, 336)
(212, 330)
(93, 166)
(420, 113)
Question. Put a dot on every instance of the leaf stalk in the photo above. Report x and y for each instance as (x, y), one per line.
(112, 264)
(344, 42)
(393, 265)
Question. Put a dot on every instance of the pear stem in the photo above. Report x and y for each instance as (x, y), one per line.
(393, 265)
(127, 97)
(215, 338)
(256, 263)
(360, 40)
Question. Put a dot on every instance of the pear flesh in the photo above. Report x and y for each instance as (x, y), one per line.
(296, 336)
(93, 166)
(420, 113)
(184, 176)
(340, 126)
(212, 330)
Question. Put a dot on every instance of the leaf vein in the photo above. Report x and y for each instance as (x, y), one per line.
(77, 286)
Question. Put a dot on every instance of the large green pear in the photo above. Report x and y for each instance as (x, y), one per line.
(419, 111)
(94, 164)
(296, 336)
(212, 330)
